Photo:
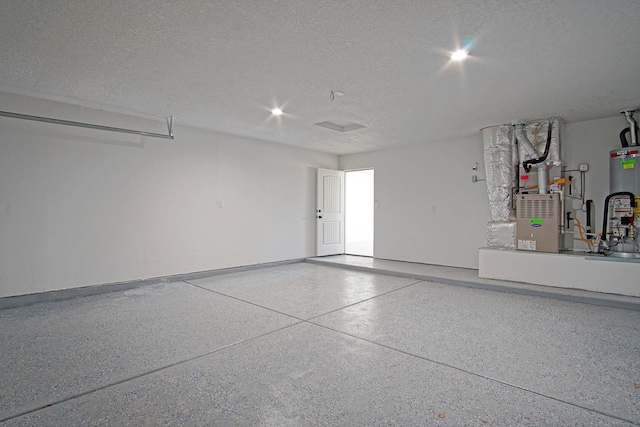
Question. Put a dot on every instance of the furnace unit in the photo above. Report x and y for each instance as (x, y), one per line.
(538, 222)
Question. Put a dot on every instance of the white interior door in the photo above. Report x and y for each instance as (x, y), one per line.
(330, 213)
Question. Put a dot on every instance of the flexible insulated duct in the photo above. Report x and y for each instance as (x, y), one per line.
(500, 163)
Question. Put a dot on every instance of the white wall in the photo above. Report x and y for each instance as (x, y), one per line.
(429, 211)
(427, 208)
(81, 207)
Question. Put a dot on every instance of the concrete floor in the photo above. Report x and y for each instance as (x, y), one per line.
(307, 344)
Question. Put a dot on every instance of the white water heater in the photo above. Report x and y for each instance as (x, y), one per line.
(624, 170)
(623, 219)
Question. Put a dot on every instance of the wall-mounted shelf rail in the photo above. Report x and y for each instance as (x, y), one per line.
(168, 135)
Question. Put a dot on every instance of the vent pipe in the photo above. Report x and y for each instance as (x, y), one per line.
(632, 129)
(523, 141)
(536, 157)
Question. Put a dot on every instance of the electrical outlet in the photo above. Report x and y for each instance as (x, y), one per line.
(221, 203)
(584, 167)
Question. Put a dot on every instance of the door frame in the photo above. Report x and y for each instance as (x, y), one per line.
(373, 201)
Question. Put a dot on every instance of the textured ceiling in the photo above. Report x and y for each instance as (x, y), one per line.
(221, 65)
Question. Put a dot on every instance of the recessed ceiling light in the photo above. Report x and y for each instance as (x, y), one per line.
(459, 55)
(276, 112)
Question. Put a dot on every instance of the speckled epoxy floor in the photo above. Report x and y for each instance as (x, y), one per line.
(306, 344)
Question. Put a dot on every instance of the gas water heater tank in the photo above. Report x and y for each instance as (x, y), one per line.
(624, 170)
(623, 218)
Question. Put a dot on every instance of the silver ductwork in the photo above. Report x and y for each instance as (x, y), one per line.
(500, 163)
(532, 144)
(503, 157)
(536, 136)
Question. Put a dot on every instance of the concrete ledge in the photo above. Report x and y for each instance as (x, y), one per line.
(591, 273)
(64, 294)
(621, 302)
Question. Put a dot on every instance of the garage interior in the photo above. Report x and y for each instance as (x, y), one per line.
(169, 274)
